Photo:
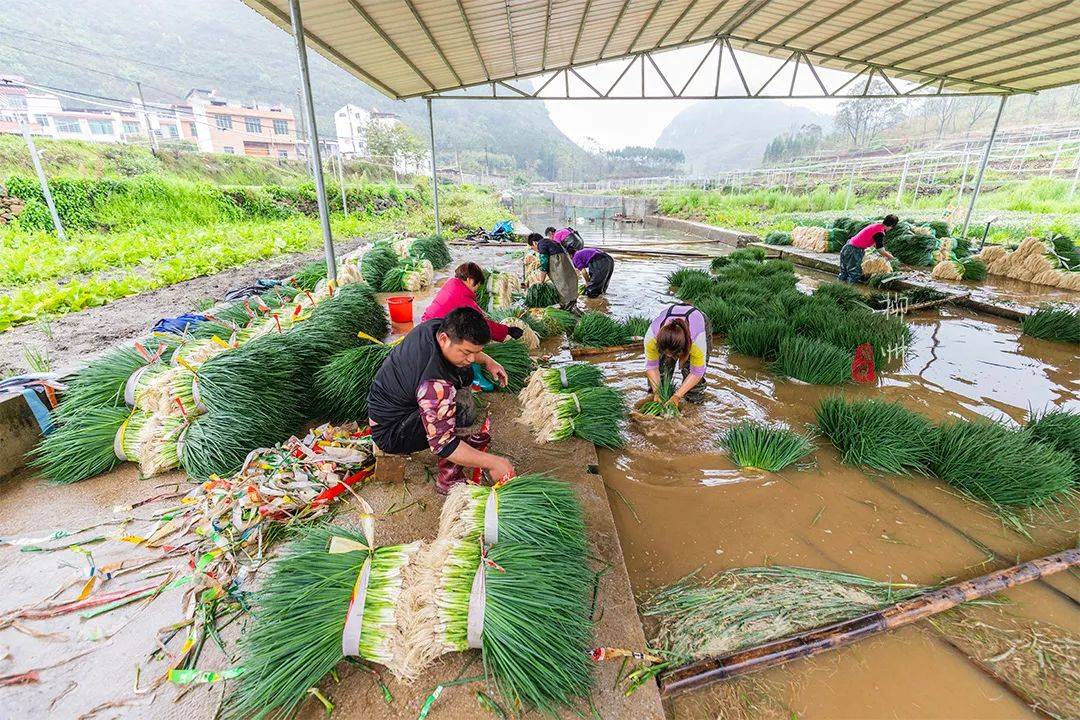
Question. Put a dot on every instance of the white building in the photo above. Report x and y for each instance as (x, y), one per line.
(349, 124)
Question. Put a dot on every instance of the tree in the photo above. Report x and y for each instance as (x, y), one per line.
(861, 119)
(395, 143)
(976, 107)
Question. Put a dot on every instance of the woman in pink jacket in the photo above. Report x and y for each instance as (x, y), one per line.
(460, 291)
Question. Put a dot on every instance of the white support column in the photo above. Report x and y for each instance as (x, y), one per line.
(850, 183)
(1076, 176)
(341, 182)
(434, 168)
(982, 166)
(313, 138)
(43, 180)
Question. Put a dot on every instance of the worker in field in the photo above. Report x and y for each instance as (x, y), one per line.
(421, 395)
(555, 263)
(595, 267)
(680, 335)
(851, 255)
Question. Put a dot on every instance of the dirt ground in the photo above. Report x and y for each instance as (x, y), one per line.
(101, 667)
(76, 337)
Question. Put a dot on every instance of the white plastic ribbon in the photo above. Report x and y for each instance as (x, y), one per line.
(118, 441)
(195, 396)
(130, 385)
(354, 616)
(562, 377)
(477, 604)
(491, 518)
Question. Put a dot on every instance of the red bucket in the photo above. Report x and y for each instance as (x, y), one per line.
(400, 309)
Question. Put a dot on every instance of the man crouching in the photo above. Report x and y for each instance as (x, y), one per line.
(421, 394)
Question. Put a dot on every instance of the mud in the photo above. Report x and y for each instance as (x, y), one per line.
(681, 505)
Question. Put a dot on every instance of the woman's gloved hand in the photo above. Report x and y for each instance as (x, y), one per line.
(515, 332)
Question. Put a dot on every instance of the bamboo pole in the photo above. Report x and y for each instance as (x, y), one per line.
(701, 673)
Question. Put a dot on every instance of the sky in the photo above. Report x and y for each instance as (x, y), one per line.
(612, 124)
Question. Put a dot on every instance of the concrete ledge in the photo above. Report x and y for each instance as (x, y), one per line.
(980, 301)
(19, 433)
(735, 238)
(631, 206)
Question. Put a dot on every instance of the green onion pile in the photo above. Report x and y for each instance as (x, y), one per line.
(813, 361)
(1052, 322)
(756, 445)
(344, 382)
(513, 355)
(433, 249)
(595, 329)
(877, 434)
(540, 295)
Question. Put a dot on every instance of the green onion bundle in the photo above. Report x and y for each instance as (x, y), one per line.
(127, 444)
(841, 294)
(760, 337)
(778, 237)
(695, 287)
(309, 275)
(662, 408)
(82, 445)
(680, 276)
(1060, 429)
(102, 382)
(344, 382)
(756, 445)
(533, 509)
(433, 249)
(881, 435)
(334, 324)
(541, 295)
(596, 329)
(217, 443)
(296, 635)
(813, 361)
(563, 320)
(637, 325)
(379, 260)
(1051, 322)
(592, 414)
(513, 355)
(568, 378)
(410, 274)
(973, 269)
(158, 448)
(535, 629)
(999, 464)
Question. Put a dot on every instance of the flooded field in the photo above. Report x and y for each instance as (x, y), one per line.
(681, 505)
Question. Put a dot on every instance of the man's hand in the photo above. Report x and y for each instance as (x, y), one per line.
(515, 332)
(498, 372)
(675, 400)
(499, 468)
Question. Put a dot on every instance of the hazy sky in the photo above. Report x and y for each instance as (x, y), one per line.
(617, 123)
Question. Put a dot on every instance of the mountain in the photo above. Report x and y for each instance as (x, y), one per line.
(727, 134)
(171, 46)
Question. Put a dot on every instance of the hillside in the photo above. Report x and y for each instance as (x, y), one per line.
(172, 46)
(724, 135)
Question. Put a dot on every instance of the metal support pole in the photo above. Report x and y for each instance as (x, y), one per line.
(341, 182)
(1057, 154)
(313, 139)
(1076, 176)
(903, 177)
(850, 183)
(963, 178)
(982, 166)
(41, 178)
(146, 118)
(434, 168)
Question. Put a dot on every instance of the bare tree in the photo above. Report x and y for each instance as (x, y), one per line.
(942, 111)
(862, 119)
(975, 108)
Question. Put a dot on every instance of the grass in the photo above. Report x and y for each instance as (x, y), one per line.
(43, 277)
(1053, 323)
(756, 445)
(744, 607)
(877, 434)
(1000, 465)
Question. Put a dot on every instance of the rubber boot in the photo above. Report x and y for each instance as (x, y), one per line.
(451, 474)
(479, 382)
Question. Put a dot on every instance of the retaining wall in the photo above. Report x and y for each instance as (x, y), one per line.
(736, 238)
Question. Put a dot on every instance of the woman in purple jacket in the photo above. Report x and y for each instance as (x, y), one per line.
(595, 267)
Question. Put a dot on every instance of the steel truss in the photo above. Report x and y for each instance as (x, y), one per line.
(641, 77)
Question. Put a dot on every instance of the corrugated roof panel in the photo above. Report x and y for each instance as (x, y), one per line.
(975, 45)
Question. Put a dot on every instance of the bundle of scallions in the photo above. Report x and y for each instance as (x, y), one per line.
(594, 414)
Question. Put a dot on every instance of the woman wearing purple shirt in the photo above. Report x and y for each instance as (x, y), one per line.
(595, 267)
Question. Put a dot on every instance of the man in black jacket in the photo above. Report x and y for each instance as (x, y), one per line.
(421, 395)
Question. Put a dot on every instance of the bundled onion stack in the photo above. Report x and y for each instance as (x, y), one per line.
(876, 264)
(1037, 261)
(810, 238)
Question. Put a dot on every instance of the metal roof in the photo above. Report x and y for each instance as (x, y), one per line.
(409, 48)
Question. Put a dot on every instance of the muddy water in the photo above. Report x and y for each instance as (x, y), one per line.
(682, 505)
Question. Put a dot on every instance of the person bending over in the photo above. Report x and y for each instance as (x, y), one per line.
(420, 396)
(555, 263)
(596, 267)
(851, 255)
(680, 334)
(460, 291)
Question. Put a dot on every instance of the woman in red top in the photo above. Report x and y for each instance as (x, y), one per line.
(460, 291)
(851, 255)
